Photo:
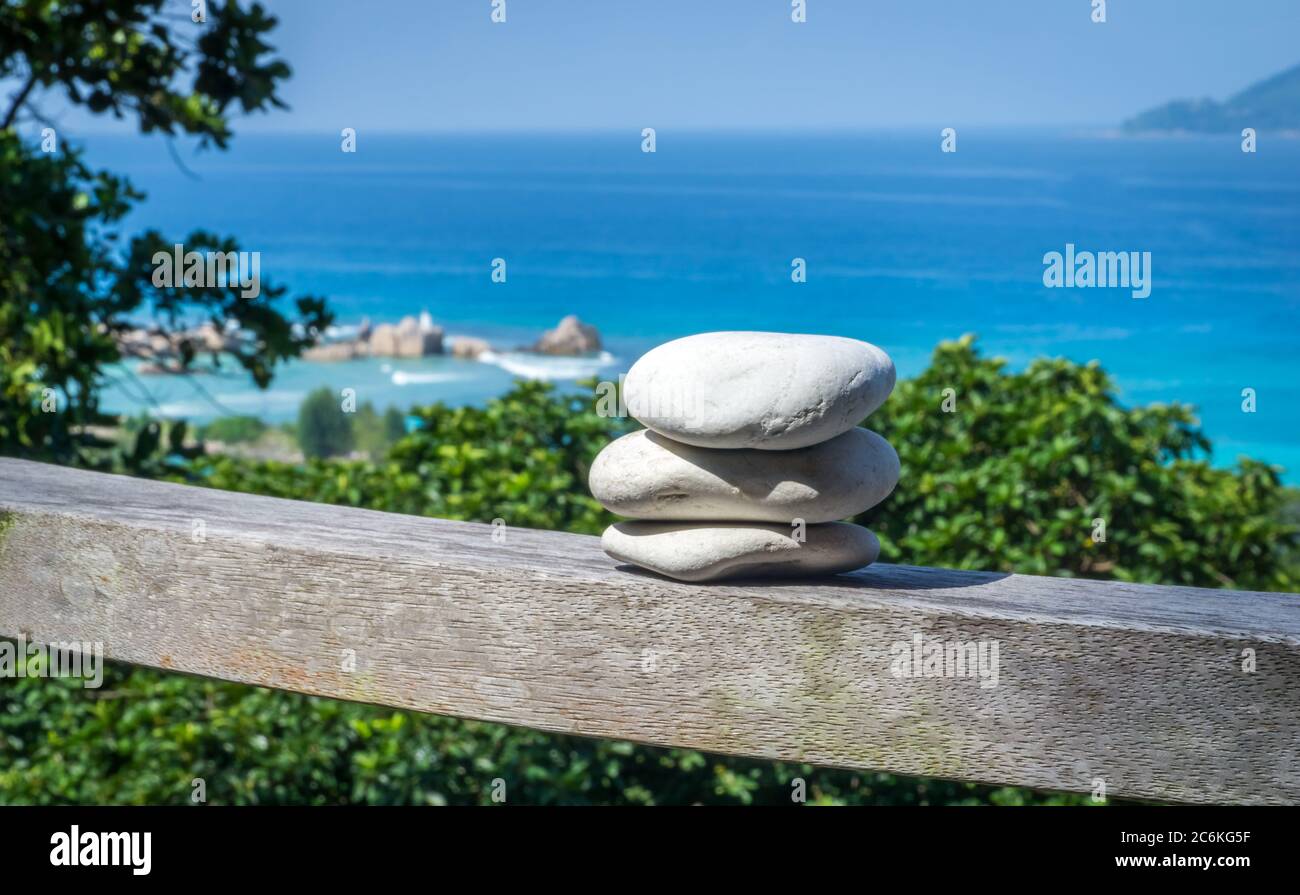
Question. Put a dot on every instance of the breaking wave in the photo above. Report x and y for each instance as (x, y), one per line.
(402, 377)
(547, 367)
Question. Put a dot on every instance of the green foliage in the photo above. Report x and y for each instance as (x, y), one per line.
(128, 58)
(324, 430)
(233, 429)
(1012, 480)
(67, 285)
(1290, 515)
(55, 246)
(152, 448)
(375, 434)
(523, 458)
(394, 425)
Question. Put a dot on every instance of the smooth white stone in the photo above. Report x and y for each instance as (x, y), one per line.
(644, 475)
(771, 391)
(708, 551)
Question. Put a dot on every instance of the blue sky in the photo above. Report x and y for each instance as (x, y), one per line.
(419, 65)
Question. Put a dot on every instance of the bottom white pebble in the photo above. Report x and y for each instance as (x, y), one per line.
(708, 551)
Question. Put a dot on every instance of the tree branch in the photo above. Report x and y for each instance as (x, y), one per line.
(18, 102)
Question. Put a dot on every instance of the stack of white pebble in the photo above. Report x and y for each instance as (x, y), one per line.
(752, 450)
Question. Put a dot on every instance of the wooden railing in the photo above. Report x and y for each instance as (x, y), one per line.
(1172, 693)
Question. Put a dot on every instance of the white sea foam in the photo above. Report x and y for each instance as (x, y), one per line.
(401, 377)
(547, 367)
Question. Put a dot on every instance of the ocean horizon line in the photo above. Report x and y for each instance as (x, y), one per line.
(613, 130)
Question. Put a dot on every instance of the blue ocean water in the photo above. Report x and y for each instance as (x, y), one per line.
(905, 246)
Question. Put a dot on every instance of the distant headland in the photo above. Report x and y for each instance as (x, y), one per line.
(1273, 103)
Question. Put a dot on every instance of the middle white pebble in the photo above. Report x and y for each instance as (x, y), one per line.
(644, 475)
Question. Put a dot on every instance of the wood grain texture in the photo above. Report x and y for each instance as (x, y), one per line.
(1139, 686)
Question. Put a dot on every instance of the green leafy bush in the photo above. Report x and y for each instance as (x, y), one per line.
(70, 286)
(1014, 478)
(324, 430)
(523, 458)
(375, 433)
(233, 429)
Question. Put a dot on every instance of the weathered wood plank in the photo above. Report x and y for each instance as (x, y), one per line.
(1142, 687)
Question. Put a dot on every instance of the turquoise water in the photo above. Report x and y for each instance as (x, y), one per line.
(905, 246)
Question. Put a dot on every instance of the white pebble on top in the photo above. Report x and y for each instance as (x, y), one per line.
(769, 391)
